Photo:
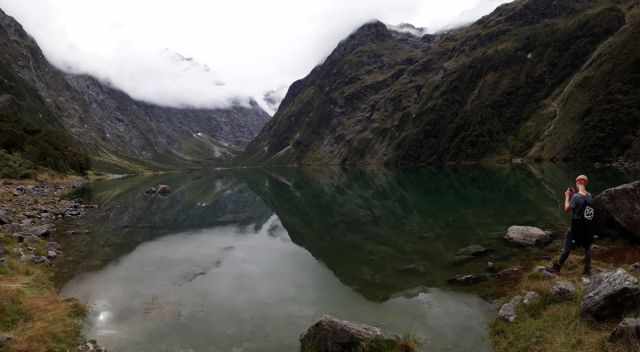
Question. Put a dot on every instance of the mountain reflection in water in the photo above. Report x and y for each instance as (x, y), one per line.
(246, 260)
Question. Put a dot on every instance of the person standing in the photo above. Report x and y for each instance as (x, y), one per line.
(579, 204)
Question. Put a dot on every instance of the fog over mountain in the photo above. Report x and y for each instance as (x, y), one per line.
(212, 54)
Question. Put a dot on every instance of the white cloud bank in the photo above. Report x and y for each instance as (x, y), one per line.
(241, 48)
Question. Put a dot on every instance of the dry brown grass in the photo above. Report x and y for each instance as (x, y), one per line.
(552, 326)
(32, 312)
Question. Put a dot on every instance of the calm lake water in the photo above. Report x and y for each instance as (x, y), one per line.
(246, 260)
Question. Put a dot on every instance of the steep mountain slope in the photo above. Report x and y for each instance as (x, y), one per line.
(544, 79)
(120, 133)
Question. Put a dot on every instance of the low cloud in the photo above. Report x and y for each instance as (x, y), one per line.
(212, 53)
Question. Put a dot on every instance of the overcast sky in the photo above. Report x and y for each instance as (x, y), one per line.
(249, 47)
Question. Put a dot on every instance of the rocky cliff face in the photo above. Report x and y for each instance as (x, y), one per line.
(119, 133)
(543, 79)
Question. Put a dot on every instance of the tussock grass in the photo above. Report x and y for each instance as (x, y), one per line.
(553, 326)
(32, 312)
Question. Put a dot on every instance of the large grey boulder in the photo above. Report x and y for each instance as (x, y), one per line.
(618, 210)
(527, 236)
(611, 295)
(509, 311)
(333, 335)
(627, 332)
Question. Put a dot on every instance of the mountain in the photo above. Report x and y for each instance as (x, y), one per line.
(541, 79)
(91, 118)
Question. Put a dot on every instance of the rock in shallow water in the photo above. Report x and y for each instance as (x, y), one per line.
(468, 279)
(472, 251)
(333, 335)
(164, 190)
(527, 236)
(611, 295)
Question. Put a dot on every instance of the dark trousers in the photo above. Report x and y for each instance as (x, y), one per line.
(569, 245)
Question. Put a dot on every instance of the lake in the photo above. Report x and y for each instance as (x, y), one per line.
(246, 260)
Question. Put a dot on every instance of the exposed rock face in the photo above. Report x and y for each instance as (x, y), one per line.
(121, 133)
(627, 332)
(618, 210)
(540, 79)
(160, 134)
(611, 295)
(333, 335)
(527, 236)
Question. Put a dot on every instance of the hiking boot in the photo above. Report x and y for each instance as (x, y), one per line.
(586, 272)
(555, 268)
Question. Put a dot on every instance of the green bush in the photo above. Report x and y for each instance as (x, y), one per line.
(14, 166)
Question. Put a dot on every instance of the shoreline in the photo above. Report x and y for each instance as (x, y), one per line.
(36, 209)
(33, 315)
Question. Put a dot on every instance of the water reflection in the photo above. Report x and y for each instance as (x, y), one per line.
(246, 260)
(230, 289)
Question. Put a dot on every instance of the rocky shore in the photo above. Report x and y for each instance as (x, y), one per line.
(537, 307)
(30, 215)
(29, 212)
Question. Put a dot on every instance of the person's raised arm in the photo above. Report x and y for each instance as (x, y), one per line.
(567, 200)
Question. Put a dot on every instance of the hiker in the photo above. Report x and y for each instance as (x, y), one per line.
(581, 234)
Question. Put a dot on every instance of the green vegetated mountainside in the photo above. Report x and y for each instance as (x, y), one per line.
(65, 121)
(541, 79)
(29, 131)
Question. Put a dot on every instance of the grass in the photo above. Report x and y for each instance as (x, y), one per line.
(554, 326)
(32, 312)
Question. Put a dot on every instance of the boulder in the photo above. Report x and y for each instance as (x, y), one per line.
(52, 254)
(4, 217)
(563, 290)
(39, 231)
(530, 298)
(4, 340)
(527, 236)
(36, 259)
(473, 250)
(611, 295)
(412, 268)
(627, 332)
(509, 311)
(468, 279)
(164, 189)
(510, 273)
(618, 210)
(546, 272)
(333, 335)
